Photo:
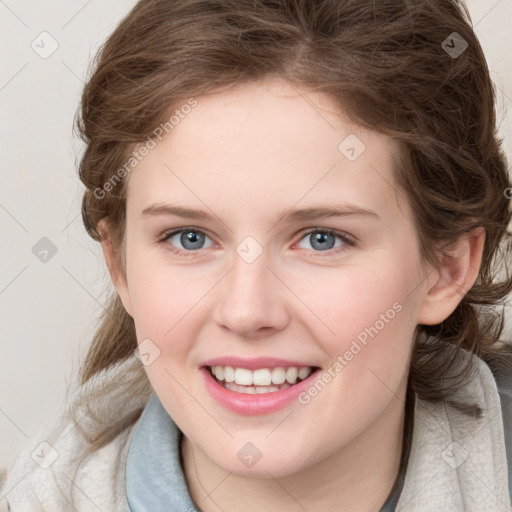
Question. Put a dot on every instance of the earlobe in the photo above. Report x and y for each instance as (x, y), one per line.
(116, 275)
(453, 279)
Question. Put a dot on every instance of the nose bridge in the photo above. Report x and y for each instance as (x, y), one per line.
(251, 298)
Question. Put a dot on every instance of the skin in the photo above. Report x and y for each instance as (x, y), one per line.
(244, 156)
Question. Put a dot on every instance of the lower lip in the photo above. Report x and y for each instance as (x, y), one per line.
(252, 405)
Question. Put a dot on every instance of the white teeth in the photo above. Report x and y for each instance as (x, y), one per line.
(291, 374)
(304, 372)
(251, 390)
(243, 377)
(262, 377)
(219, 372)
(278, 375)
(229, 374)
(266, 379)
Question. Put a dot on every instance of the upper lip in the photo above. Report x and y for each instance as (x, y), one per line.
(255, 363)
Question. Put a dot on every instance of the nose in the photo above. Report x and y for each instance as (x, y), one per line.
(251, 299)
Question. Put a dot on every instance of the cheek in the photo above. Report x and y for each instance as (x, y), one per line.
(367, 318)
(162, 297)
(167, 309)
(170, 305)
(349, 300)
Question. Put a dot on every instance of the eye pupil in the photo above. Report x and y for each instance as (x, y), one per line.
(191, 237)
(321, 239)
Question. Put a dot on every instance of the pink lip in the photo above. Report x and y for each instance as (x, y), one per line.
(253, 364)
(253, 405)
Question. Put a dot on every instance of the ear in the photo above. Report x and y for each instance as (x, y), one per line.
(116, 274)
(457, 273)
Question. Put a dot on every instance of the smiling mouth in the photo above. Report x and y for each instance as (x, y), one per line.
(262, 380)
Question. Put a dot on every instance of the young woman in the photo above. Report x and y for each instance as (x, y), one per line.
(303, 206)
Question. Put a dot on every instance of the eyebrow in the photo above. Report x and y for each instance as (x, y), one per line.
(292, 215)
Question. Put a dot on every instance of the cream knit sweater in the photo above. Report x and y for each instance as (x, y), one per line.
(456, 463)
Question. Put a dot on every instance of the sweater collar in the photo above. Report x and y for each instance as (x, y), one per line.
(454, 461)
(457, 461)
(154, 477)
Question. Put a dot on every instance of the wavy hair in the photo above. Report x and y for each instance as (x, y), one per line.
(389, 65)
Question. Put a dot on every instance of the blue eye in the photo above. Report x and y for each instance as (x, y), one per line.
(323, 240)
(192, 240)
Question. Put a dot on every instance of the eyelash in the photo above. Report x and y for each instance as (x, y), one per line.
(346, 239)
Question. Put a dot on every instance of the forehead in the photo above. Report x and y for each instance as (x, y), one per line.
(267, 144)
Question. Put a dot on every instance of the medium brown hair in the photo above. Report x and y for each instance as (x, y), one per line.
(388, 67)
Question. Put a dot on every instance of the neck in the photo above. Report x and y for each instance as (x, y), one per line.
(357, 478)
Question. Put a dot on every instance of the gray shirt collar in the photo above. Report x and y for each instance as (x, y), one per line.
(154, 476)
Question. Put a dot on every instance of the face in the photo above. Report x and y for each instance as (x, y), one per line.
(266, 242)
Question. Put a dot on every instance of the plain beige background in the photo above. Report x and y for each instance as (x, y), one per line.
(49, 310)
